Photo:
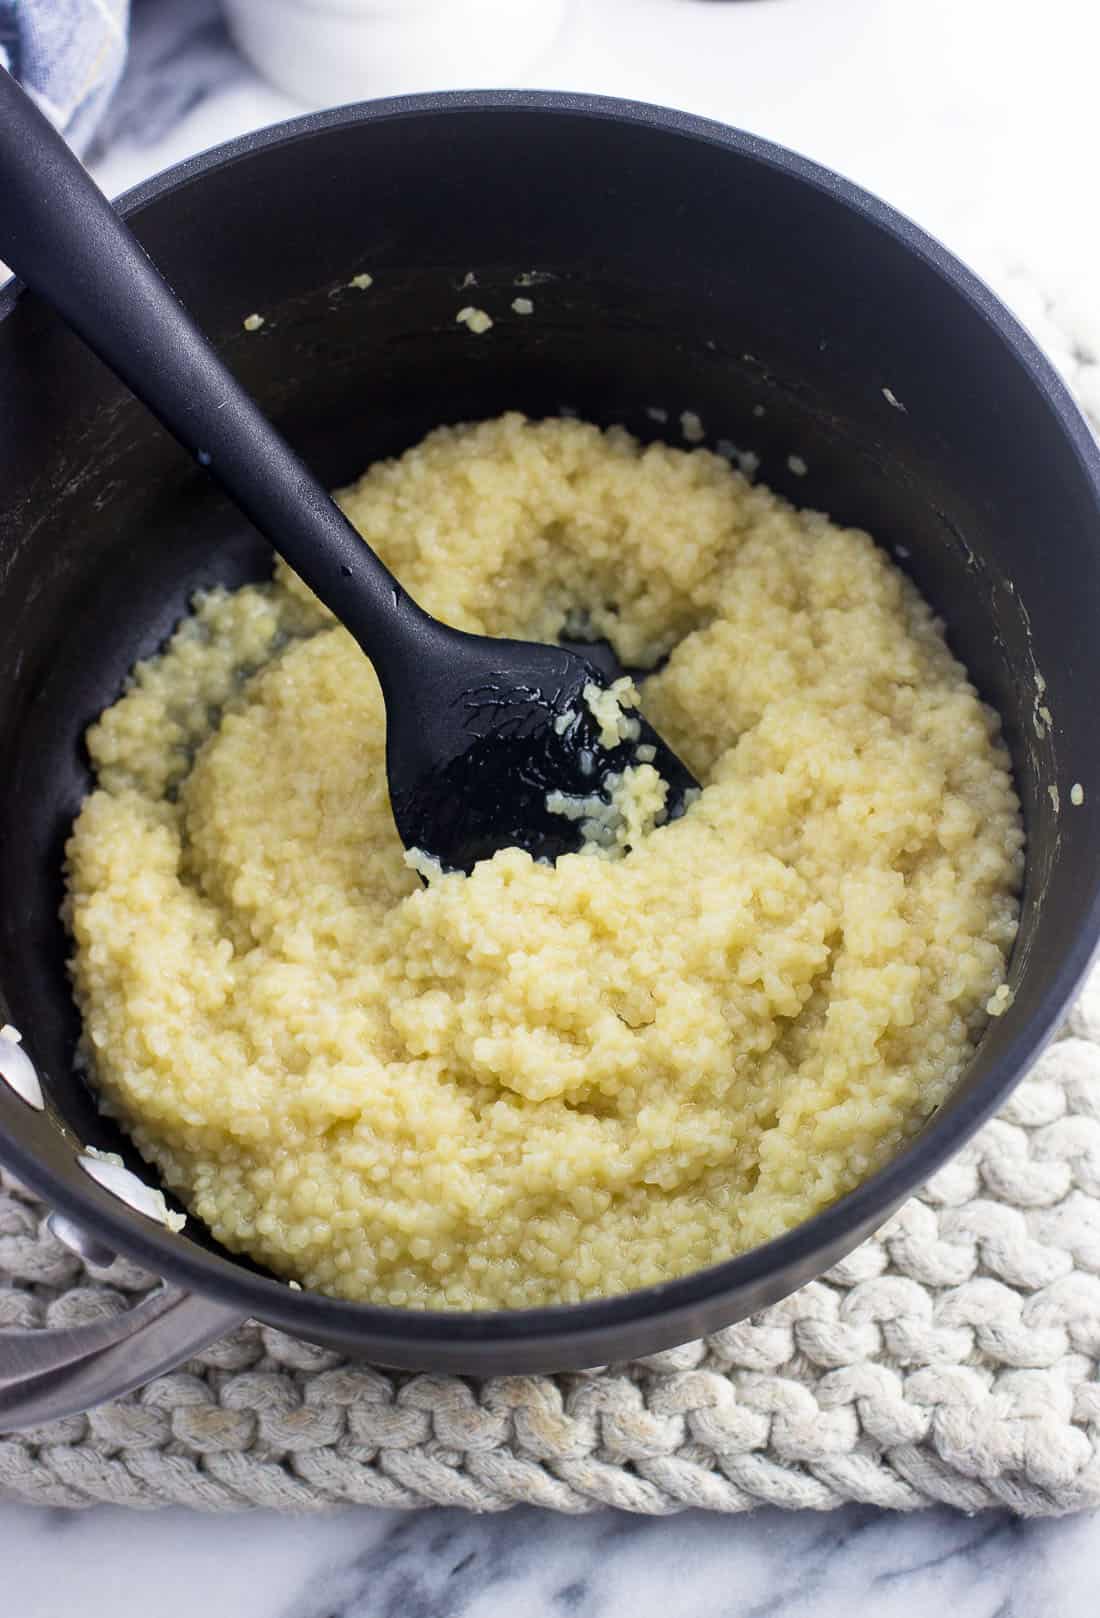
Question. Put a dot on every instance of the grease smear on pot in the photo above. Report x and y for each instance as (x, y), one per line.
(538, 1084)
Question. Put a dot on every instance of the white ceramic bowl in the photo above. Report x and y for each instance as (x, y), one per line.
(324, 52)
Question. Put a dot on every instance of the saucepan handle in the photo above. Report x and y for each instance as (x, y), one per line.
(58, 1371)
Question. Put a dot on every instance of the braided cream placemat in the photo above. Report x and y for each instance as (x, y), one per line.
(953, 1358)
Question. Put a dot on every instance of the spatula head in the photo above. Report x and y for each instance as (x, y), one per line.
(480, 753)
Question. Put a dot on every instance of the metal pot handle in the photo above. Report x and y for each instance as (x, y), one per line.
(54, 1372)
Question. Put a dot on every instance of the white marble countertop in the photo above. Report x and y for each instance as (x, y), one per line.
(982, 121)
(109, 1563)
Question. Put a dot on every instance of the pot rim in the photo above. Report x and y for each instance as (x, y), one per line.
(307, 1313)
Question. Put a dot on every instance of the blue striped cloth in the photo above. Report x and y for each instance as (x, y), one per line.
(68, 54)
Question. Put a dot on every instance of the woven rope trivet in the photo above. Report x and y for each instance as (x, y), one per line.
(953, 1358)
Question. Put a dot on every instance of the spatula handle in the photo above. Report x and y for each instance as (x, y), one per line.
(61, 236)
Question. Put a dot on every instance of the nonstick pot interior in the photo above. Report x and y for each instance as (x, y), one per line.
(673, 266)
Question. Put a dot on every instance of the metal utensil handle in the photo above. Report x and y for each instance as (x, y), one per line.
(59, 1371)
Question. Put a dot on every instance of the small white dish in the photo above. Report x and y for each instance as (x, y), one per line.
(325, 52)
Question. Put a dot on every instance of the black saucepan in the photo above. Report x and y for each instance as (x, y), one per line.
(675, 266)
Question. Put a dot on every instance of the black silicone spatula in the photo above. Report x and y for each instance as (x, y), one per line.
(472, 747)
